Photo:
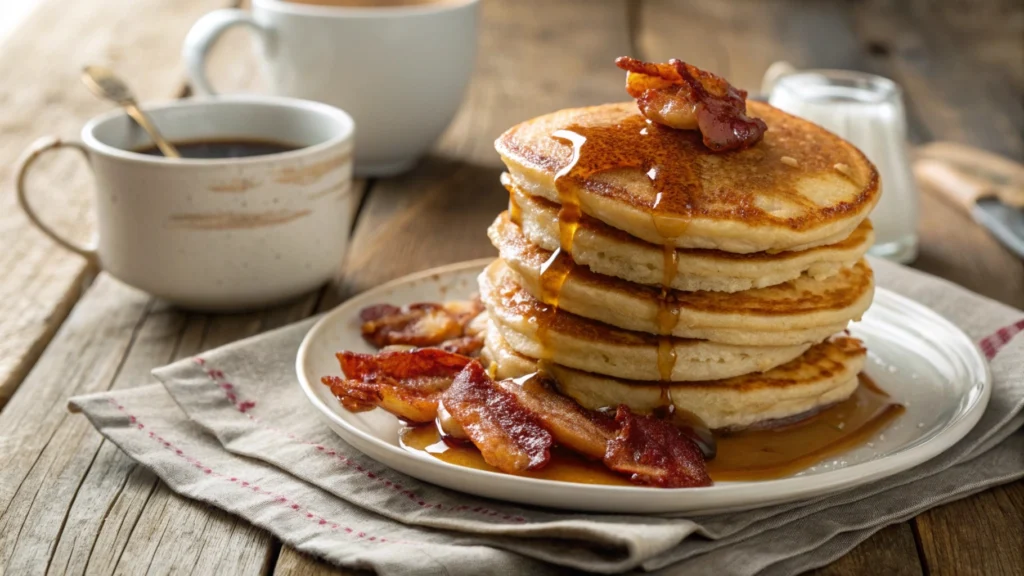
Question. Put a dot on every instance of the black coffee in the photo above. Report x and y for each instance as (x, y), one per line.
(227, 148)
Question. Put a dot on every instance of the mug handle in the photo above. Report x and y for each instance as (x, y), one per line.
(33, 153)
(772, 74)
(204, 34)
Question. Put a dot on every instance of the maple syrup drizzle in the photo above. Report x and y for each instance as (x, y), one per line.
(741, 456)
(565, 466)
(783, 451)
(667, 315)
(557, 269)
(634, 143)
(669, 228)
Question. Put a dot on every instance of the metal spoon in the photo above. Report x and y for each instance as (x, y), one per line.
(105, 84)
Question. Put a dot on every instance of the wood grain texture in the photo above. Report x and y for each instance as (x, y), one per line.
(49, 449)
(41, 94)
(961, 68)
(883, 554)
(739, 40)
(979, 535)
(165, 531)
(957, 88)
(80, 504)
(294, 563)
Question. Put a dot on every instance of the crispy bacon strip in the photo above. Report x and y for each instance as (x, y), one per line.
(514, 423)
(508, 434)
(573, 426)
(654, 452)
(406, 383)
(423, 324)
(466, 345)
(682, 96)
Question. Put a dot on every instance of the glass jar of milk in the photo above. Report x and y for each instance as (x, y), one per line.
(868, 111)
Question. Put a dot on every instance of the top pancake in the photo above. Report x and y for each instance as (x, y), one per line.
(744, 201)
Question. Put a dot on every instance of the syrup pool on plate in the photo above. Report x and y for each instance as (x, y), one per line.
(741, 456)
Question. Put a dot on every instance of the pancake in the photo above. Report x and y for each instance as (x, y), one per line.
(538, 330)
(800, 187)
(612, 252)
(824, 375)
(800, 311)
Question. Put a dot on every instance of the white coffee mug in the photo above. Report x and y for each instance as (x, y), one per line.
(224, 233)
(400, 71)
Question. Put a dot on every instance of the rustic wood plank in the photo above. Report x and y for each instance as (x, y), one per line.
(49, 450)
(739, 40)
(884, 553)
(978, 535)
(961, 68)
(114, 493)
(956, 248)
(174, 533)
(294, 563)
(110, 469)
(958, 88)
(40, 62)
(83, 505)
(48, 508)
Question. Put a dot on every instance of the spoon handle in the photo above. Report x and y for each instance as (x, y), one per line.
(139, 116)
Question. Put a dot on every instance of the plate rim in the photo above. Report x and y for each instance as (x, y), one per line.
(782, 489)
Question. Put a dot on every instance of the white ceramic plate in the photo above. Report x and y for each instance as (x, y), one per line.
(925, 362)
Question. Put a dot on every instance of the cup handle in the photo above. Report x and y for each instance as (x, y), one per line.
(204, 34)
(33, 153)
(772, 74)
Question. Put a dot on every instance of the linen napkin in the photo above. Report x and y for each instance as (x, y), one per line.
(231, 428)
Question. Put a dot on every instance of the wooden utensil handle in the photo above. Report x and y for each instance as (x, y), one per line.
(976, 168)
(960, 188)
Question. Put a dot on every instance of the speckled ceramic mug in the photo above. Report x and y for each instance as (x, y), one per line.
(224, 233)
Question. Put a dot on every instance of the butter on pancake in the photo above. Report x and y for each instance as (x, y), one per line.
(538, 330)
(740, 201)
(800, 311)
(612, 252)
(824, 375)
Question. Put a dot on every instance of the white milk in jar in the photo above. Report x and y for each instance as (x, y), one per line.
(868, 111)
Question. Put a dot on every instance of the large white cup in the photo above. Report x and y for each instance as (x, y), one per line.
(400, 71)
(223, 233)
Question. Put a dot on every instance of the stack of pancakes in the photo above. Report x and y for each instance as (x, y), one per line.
(640, 268)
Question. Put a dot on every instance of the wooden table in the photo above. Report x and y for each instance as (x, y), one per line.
(71, 502)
